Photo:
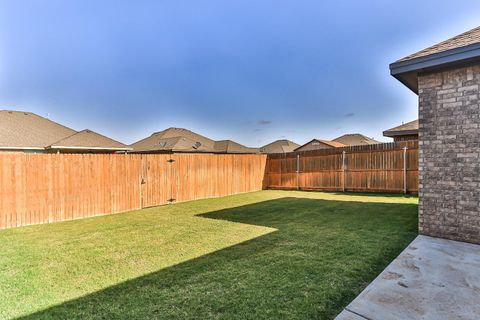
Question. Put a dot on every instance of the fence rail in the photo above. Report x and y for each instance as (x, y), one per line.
(42, 188)
(388, 167)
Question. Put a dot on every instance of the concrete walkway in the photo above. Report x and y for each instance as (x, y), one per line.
(431, 279)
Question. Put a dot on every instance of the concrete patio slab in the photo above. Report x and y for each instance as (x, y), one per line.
(431, 279)
(348, 315)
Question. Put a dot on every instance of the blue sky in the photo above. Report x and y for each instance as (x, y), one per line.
(249, 70)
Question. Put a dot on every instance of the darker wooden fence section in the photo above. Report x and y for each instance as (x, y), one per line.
(388, 167)
(42, 188)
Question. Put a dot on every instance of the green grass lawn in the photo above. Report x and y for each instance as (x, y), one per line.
(262, 255)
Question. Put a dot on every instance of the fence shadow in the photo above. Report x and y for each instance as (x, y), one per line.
(321, 257)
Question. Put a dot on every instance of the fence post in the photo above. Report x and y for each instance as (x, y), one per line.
(343, 170)
(405, 170)
(142, 178)
(298, 172)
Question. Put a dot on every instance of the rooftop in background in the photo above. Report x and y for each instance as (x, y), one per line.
(229, 146)
(409, 128)
(26, 130)
(464, 48)
(335, 144)
(355, 139)
(21, 130)
(279, 146)
(316, 144)
(184, 140)
(174, 140)
(87, 139)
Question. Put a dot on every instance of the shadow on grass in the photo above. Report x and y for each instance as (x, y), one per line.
(323, 254)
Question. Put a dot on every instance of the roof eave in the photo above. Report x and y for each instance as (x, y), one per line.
(392, 134)
(20, 148)
(407, 71)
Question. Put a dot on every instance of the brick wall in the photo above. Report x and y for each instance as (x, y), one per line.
(449, 154)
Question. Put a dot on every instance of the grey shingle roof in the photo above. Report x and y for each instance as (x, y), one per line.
(460, 50)
(355, 139)
(279, 146)
(20, 129)
(26, 130)
(229, 146)
(328, 143)
(174, 139)
(183, 140)
(467, 38)
(87, 139)
(403, 129)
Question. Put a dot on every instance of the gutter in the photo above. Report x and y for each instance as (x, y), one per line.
(436, 59)
(399, 133)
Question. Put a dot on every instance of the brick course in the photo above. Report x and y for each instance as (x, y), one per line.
(449, 154)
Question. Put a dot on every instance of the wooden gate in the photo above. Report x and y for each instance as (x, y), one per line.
(156, 180)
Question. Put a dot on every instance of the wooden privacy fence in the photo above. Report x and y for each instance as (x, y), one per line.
(42, 188)
(388, 167)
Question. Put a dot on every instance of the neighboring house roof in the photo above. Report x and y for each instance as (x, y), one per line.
(409, 128)
(183, 140)
(87, 139)
(25, 130)
(332, 144)
(461, 49)
(279, 146)
(229, 146)
(177, 144)
(174, 139)
(355, 139)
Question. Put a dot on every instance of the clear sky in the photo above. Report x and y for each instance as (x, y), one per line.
(249, 70)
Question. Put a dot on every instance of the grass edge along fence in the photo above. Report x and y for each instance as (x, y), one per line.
(386, 167)
(44, 188)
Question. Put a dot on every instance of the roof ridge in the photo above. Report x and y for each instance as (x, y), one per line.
(36, 115)
(101, 135)
(353, 134)
(88, 131)
(69, 136)
(183, 129)
(172, 128)
(17, 111)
